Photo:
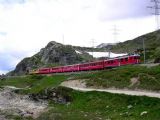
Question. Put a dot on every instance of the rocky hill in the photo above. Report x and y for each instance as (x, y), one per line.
(52, 55)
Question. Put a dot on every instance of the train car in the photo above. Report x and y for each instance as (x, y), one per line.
(56, 69)
(33, 72)
(44, 71)
(71, 68)
(97, 65)
(111, 63)
(134, 59)
(92, 66)
(120, 61)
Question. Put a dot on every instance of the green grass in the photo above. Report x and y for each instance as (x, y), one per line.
(35, 83)
(149, 78)
(103, 106)
(96, 105)
(100, 106)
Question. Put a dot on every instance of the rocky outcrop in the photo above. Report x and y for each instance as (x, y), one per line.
(58, 95)
(59, 54)
(53, 54)
(19, 105)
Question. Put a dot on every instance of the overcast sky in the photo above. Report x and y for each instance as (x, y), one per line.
(28, 25)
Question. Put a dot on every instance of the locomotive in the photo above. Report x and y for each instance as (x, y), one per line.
(96, 65)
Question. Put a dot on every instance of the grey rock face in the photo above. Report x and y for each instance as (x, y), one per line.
(52, 55)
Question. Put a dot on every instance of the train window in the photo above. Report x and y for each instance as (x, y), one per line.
(108, 62)
(121, 60)
(135, 57)
(126, 59)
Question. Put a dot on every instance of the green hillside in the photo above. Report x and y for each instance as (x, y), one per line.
(152, 45)
(68, 104)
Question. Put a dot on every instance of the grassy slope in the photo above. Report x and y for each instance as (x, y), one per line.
(152, 43)
(104, 106)
(98, 105)
(149, 78)
(35, 83)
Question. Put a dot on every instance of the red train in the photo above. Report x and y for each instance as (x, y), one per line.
(97, 65)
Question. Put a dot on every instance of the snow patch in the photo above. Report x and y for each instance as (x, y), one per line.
(78, 52)
(105, 54)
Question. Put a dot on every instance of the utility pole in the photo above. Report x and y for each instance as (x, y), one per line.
(144, 51)
(64, 57)
(156, 8)
(93, 42)
(156, 13)
(115, 33)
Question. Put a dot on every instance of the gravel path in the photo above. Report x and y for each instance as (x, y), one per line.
(80, 85)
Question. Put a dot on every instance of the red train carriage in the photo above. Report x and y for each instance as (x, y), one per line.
(91, 66)
(44, 71)
(124, 60)
(56, 70)
(71, 68)
(98, 65)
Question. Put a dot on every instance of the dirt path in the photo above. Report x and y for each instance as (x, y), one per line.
(80, 85)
